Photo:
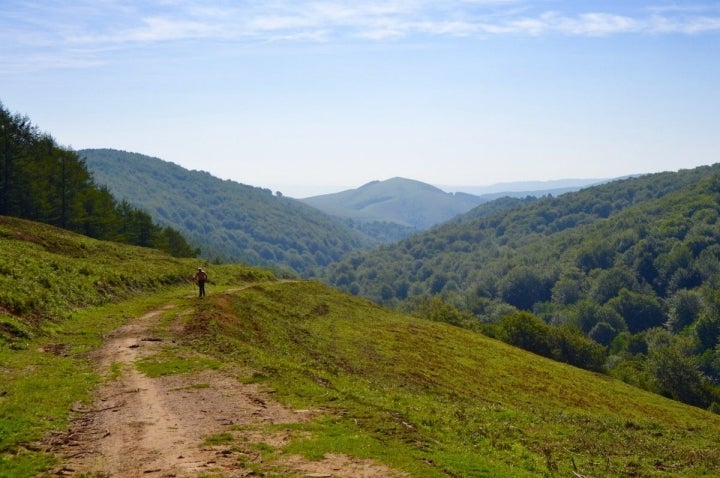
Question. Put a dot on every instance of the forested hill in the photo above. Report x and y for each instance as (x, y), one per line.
(230, 221)
(406, 202)
(633, 264)
(476, 249)
(44, 182)
(397, 208)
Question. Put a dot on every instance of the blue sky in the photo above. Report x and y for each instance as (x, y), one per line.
(315, 96)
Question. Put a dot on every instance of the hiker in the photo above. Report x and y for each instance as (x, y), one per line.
(201, 277)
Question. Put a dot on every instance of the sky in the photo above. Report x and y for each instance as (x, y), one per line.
(314, 96)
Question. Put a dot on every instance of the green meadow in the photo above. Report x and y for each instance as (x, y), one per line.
(421, 397)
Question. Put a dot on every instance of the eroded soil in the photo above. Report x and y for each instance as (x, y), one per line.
(185, 425)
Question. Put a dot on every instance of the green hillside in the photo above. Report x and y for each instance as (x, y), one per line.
(471, 253)
(406, 202)
(46, 273)
(632, 264)
(422, 397)
(229, 221)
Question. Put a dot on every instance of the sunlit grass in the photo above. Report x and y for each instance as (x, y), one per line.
(434, 400)
(172, 362)
(60, 295)
(421, 397)
(220, 439)
(41, 383)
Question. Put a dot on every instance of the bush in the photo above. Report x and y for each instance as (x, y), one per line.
(571, 346)
(526, 331)
(565, 344)
(676, 376)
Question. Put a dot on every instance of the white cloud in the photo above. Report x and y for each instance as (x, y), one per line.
(594, 24)
(687, 8)
(61, 29)
(691, 26)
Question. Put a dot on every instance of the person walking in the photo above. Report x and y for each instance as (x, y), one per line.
(201, 277)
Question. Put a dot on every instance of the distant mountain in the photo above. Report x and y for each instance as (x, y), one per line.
(553, 187)
(229, 221)
(408, 203)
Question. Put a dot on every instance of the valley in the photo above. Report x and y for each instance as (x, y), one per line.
(291, 377)
(574, 335)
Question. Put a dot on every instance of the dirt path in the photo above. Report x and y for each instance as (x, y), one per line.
(164, 427)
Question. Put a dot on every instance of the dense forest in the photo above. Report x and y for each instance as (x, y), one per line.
(620, 277)
(232, 222)
(44, 182)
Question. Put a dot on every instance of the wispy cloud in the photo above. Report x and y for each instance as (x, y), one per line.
(75, 29)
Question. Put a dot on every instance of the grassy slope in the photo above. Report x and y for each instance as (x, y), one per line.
(420, 396)
(440, 401)
(59, 294)
(46, 272)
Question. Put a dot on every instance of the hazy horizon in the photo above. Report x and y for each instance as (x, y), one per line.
(305, 191)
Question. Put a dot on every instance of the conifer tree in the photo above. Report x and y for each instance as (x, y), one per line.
(44, 182)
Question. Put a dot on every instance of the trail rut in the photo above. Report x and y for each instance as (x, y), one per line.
(139, 426)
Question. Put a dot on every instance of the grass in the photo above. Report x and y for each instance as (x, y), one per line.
(41, 383)
(421, 397)
(436, 400)
(219, 439)
(60, 293)
(47, 273)
(172, 362)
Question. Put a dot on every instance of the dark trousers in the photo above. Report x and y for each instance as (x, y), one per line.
(201, 285)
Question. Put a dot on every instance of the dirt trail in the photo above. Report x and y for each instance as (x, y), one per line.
(139, 426)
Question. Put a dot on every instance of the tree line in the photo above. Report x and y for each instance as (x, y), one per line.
(44, 182)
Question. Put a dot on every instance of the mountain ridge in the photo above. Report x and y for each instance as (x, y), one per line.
(529, 187)
(399, 200)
